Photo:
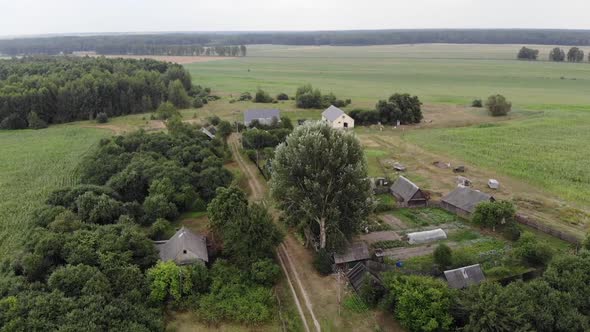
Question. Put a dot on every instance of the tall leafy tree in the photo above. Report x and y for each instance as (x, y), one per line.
(320, 182)
(557, 54)
(177, 95)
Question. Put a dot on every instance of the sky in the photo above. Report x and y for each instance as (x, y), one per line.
(33, 17)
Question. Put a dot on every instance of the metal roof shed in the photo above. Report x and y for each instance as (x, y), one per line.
(465, 276)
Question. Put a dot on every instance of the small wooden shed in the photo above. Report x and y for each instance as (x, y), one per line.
(407, 193)
(463, 200)
(355, 253)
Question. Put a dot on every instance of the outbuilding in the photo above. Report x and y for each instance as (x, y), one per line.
(407, 193)
(465, 276)
(427, 236)
(463, 200)
(185, 247)
(337, 118)
(355, 253)
(265, 117)
(493, 184)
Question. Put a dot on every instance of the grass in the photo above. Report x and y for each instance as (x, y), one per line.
(33, 164)
(544, 151)
(389, 244)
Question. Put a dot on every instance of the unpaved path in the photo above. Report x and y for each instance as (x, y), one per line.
(380, 236)
(405, 253)
(258, 190)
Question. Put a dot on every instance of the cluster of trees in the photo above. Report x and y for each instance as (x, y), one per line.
(162, 44)
(36, 91)
(308, 97)
(85, 263)
(526, 53)
(319, 181)
(139, 44)
(399, 107)
(573, 55)
(556, 54)
(557, 301)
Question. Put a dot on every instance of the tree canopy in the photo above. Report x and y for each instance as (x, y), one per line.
(320, 182)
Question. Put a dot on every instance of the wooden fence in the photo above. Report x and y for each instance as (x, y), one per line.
(546, 229)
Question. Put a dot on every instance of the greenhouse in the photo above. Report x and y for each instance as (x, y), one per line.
(427, 236)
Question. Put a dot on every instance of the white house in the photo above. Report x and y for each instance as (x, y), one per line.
(337, 118)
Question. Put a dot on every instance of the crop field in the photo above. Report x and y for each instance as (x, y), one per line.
(454, 74)
(546, 151)
(32, 164)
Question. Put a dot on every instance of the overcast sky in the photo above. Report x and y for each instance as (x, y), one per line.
(25, 17)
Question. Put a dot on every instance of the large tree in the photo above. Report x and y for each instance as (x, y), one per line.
(320, 182)
(575, 55)
(400, 107)
(557, 54)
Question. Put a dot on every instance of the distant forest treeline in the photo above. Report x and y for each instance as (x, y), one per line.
(164, 44)
(199, 43)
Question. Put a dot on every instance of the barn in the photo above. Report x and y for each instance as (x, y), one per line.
(407, 193)
(462, 201)
(185, 247)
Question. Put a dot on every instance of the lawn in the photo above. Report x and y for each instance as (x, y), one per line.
(33, 163)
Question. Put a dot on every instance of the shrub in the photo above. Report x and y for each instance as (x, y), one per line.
(265, 272)
(477, 103)
(198, 102)
(262, 96)
(531, 251)
(494, 214)
(246, 96)
(443, 256)
(497, 105)
(323, 262)
(13, 121)
(462, 258)
(161, 229)
(214, 120)
(371, 292)
(166, 111)
(282, 96)
(102, 117)
(498, 272)
(35, 122)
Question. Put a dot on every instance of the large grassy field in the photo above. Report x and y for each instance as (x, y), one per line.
(32, 164)
(437, 73)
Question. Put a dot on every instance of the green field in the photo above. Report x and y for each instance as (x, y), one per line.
(437, 73)
(32, 164)
(547, 151)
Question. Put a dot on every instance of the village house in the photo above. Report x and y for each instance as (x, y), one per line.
(185, 247)
(463, 200)
(337, 118)
(265, 117)
(407, 193)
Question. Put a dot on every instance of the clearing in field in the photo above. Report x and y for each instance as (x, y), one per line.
(33, 164)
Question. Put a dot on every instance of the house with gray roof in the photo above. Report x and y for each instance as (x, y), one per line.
(465, 276)
(337, 118)
(463, 200)
(263, 116)
(407, 193)
(185, 247)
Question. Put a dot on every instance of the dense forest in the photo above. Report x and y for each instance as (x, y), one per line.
(199, 43)
(63, 89)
